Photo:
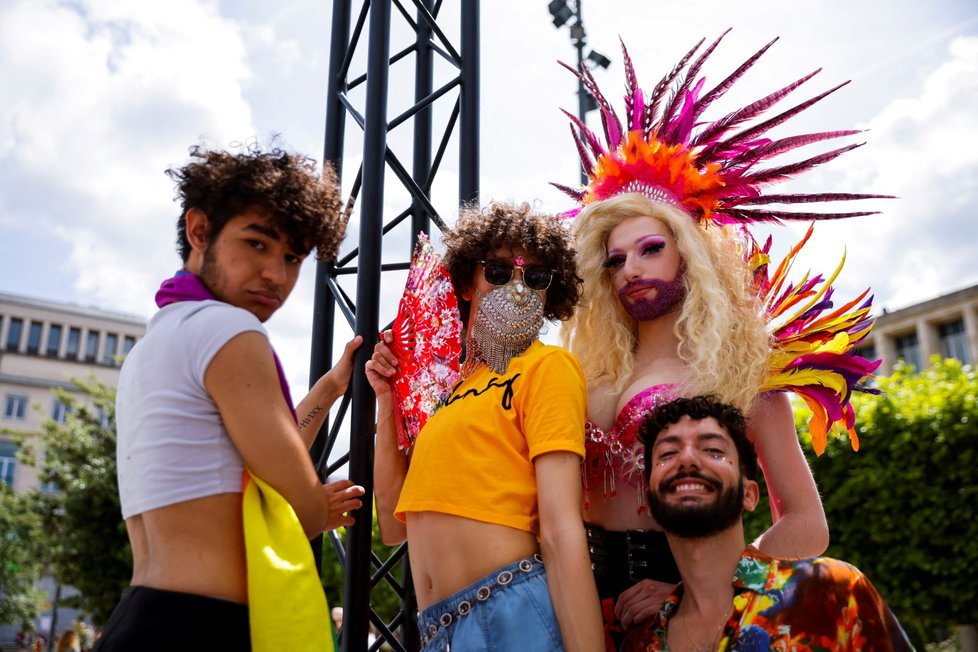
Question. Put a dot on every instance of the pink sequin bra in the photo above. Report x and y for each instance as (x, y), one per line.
(617, 455)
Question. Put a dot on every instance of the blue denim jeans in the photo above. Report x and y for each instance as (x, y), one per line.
(508, 609)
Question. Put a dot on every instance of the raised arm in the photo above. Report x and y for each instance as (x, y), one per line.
(390, 464)
(244, 384)
(312, 409)
(799, 528)
(564, 548)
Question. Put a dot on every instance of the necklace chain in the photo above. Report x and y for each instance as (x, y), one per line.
(714, 643)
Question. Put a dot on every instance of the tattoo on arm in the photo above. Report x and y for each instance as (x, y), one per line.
(309, 417)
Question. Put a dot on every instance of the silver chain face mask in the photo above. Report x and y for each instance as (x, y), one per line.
(508, 321)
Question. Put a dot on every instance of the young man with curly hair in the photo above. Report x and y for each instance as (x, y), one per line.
(491, 496)
(202, 400)
(701, 475)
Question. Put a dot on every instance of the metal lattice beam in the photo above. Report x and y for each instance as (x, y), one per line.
(371, 29)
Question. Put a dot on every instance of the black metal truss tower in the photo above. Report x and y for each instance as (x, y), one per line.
(362, 568)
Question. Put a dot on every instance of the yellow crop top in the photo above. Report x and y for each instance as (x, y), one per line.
(474, 456)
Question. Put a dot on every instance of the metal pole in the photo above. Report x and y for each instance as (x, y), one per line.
(324, 307)
(468, 178)
(362, 410)
(423, 83)
(581, 93)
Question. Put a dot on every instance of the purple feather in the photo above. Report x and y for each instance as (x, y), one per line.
(771, 148)
(586, 161)
(683, 125)
(663, 85)
(720, 89)
(679, 93)
(597, 149)
(731, 120)
(802, 198)
(633, 112)
(746, 215)
(783, 172)
(761, 128)
(577, 194)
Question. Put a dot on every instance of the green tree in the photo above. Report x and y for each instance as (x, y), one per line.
(21, 553)
(84, 534)
(902, 508)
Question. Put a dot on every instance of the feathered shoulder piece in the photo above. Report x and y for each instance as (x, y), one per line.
(813, 341)
(715, 170)
(427, 342)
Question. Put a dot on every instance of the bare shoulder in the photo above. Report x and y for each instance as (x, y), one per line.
(244, 360)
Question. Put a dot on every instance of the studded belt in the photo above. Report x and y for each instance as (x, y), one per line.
(433, 619)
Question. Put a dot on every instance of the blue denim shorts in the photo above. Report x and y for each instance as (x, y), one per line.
(508, 609)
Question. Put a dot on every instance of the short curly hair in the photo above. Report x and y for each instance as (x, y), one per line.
(303, 204)
(697, 408)
(479, 231)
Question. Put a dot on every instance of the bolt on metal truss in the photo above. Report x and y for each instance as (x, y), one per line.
(363, 570)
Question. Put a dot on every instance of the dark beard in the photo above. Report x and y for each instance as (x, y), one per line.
(698, 521)
(211, 275)
(668, 295)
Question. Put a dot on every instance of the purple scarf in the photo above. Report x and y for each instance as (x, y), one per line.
(187, 287)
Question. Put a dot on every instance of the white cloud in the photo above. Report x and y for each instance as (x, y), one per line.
(109, 93)
(921, 148)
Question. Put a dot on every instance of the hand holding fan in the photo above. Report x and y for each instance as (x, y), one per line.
(427, 342)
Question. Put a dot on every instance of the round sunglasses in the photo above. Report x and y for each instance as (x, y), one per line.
(498, 272)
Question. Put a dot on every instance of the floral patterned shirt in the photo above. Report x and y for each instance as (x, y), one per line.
(805, 605)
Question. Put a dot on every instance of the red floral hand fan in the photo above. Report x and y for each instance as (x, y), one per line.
(427, 342)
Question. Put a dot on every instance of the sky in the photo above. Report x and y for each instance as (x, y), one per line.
(99, 97)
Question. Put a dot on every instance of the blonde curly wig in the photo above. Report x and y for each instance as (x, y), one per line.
(722, 336)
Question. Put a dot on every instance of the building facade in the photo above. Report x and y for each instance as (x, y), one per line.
(43, 345)
(946, 326)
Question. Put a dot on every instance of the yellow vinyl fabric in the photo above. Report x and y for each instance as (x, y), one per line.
(287, 606)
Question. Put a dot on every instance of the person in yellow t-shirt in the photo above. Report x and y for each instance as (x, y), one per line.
(489, 499)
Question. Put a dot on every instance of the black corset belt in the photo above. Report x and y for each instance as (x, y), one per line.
(620, 559)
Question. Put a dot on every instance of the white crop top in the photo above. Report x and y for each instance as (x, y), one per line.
(172, 445)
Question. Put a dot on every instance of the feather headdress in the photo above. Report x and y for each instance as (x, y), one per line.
(713, 170)
(813, 341)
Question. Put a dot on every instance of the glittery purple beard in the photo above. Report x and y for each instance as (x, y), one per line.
(668, 294)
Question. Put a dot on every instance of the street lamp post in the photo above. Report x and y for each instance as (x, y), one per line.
(561, 12)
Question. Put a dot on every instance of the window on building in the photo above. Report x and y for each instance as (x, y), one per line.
(74, 340)
(127, 343)
(14, 332)
(8, 461)
(103, 417)
(54, 339)
(954, 341)
(15, 407)
(34, 337)
(111, 342)
(59, 411)
(908, 349)
(91, 346)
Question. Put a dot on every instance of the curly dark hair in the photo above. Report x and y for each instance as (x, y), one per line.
(700, 407)
(303, 205)
(500, 224)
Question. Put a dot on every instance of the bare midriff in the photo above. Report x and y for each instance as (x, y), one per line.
(196, 546)
(619, 512)
(451, 552)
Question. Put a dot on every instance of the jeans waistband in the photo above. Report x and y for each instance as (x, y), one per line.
(458, 605)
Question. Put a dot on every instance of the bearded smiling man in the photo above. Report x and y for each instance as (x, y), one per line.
(702, 475)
